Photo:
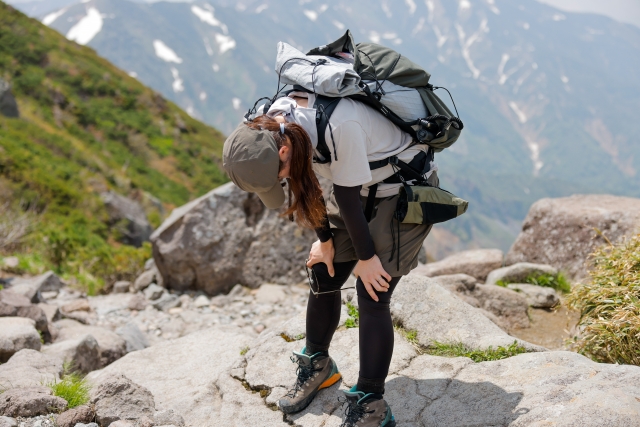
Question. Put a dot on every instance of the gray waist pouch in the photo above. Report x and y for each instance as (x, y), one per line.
(421, 204)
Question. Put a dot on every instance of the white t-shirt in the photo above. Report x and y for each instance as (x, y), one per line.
(361, 135)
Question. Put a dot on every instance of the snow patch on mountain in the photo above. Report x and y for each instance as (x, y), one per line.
(207, 46)
(261, 8)
(464, 5)
(493, 7)
(178, 84)
(502, 75)
(558, 17)
(50, 18)
(339, 25)
(203, 96)
(411, 5)
(522, 117)
(207, 17)
(236, 103)
(311, 14)
(216, 68)
(87, 27)
(466, 43)
(225, 43)
(165, 53)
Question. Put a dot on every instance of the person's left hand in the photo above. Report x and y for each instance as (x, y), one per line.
(322, 252)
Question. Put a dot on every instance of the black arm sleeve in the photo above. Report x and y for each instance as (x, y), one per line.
(348, 200)
(324, 232)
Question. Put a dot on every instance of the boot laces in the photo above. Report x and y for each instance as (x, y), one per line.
(353, 413)
(304, 373)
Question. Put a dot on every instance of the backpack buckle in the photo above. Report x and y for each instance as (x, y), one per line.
(393, 160)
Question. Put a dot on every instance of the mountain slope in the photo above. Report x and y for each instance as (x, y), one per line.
(86, 127)
(548, 98)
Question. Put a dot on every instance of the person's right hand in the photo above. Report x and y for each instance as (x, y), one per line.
(373, 276)
(322, 252)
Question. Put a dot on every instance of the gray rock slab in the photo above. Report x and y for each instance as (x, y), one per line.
(145, 279)
(517, 273)
(28, 368)
(184, 374)
(134, 338)
(17, 333)
(477, 263)
(537, 296)
(420, 304)
(115, 397)
(8, 422)
(83, 352)
(561, 231)
(16, 305)
(110, 345)
(30, 402)
(168, 417)
(166, 302)
(46, 282)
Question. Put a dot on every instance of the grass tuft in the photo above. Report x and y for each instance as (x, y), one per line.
(354, 316)
(244, 351)
(73, 388)
(558, 281)
(461, 350)
(609, 305)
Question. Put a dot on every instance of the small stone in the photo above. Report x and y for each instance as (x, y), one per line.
(30, 402)
(80, 414)
(49, 295)
(220, 301)
(144, 280)
(10, 262)
(87, 425)
(124, 423)
(270, 294)
(166, 301)
(116, 397)
(168, 417)
(175, 310)
(236, 291)
(51, 311)
(153, 292)
(121, 287)
(84, 352)
(259, 327)
(81, 304)
(133, 336)
(201, 301)
(149, 264)
(137, 302)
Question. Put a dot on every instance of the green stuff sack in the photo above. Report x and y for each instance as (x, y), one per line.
(428, 205)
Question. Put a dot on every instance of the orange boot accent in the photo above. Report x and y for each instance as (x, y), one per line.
(330, 381)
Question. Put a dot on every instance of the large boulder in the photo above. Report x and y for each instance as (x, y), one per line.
(29, 368)
(111, 346)
(188, 376)
(477, 263)
(562, 232)
(227, 237)
(505, 307)
(30, 402)
(115, 397)
(122, 209)
(17, 333)
(32, 287)
(421, 304)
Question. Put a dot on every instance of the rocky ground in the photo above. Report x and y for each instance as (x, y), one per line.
(161, 355)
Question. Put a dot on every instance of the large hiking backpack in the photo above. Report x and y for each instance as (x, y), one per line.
(377, 76)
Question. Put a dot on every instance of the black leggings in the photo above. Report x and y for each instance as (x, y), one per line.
(376, 329)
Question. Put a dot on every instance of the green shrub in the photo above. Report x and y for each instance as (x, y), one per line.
(609, 305)
(558, 281)
(461, 350)
(73, 388)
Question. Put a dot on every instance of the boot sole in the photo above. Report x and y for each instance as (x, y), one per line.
(304, 403)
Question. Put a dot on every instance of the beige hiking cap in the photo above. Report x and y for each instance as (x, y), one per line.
(251, 159)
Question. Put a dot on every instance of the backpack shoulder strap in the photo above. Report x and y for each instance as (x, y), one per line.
(324, 106)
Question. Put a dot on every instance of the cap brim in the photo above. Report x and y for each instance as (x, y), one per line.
(274, 197)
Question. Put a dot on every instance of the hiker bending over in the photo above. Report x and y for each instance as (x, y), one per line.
(356, 231)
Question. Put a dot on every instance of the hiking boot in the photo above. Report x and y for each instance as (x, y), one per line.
(366, 410)
(314, 373)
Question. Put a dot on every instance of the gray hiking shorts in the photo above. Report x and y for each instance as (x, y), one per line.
(411, 235)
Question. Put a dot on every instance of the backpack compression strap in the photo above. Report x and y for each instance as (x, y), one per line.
(324, 106)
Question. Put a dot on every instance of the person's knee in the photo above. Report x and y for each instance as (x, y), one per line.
(383, 297)
(328, 283)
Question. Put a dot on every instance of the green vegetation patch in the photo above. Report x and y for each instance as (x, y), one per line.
(86, 127)
(609, 305)
(72, 387)
(556, 281)
(461, 350)
(354, 316)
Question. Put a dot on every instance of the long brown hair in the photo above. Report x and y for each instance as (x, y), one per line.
(307, 203)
